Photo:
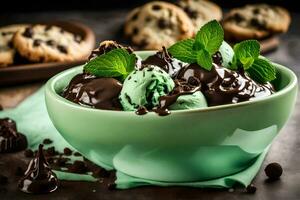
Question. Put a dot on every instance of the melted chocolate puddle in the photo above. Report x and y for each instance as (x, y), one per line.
(39, 177)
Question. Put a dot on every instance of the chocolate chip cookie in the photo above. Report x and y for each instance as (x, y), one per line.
(7, 51)
(256, 21)
(157, 24)
(201, 11)
(44, 43)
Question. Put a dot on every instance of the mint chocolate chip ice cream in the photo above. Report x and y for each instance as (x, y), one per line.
(144, 87)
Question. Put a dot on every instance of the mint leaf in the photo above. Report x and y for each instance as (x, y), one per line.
(204, 59)
(208, 40)
(211, 36)
(262, 71)
(246, 52)
(246, 62)
(117, 63)
(183, 50)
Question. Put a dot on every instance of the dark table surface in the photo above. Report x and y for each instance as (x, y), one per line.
(106, 24)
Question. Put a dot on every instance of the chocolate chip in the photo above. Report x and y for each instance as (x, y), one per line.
(156, 7)
(237, 17)
(78, 167)
(28, 32)
(47, 141)
(19, 171)
(256, 11)
(62, 30)
(3, 179)
(11, 139)
(1, 107)
(191, 13)
(135, 31)
(28, 153)
(67, 151)
(273, 171)
(10, 44)
(256, 23)
(162, 24)
(37, 42)
(77, 154)
(61, 161)
(135, 16)
(50, 152)
(251, 189)
(48, 27)
(128, 98)
(50, 42)
(62, 49)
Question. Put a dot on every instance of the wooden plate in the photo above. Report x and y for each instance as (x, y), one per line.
(40, 71)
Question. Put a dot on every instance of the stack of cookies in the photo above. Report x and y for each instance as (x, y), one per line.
(257, 21)
(39, 43)
(158, 23)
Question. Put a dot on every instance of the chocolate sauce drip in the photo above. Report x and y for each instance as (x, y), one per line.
(107, 46)
(181, 88)
(100, 93)
(217, 58)
(39, 177)
(142, 110)
(10, 139)
(223, 86)
(165, 61)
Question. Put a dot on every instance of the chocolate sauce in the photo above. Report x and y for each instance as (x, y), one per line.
(39, 177)
(217, 58)
(165, 61)
(181, 88)
(224, 86)
(100, 93)
(142, 110)
(107, 46)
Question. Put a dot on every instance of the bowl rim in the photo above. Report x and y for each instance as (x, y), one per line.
(50, 90)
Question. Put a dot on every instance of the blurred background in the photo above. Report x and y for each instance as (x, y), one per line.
(35, 5)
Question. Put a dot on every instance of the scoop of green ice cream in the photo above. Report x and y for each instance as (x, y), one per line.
(189, 101)
(227, 53)
(144, 87)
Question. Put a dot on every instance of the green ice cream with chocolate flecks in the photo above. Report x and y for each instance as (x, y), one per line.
(144, 87)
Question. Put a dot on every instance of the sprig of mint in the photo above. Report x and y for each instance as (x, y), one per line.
(246, 55)
(200, 50)
(117, 63)
(262, 71)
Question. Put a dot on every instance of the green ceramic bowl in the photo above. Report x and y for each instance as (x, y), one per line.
(187, 145)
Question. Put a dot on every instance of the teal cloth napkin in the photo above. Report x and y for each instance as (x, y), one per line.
(33, 121)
